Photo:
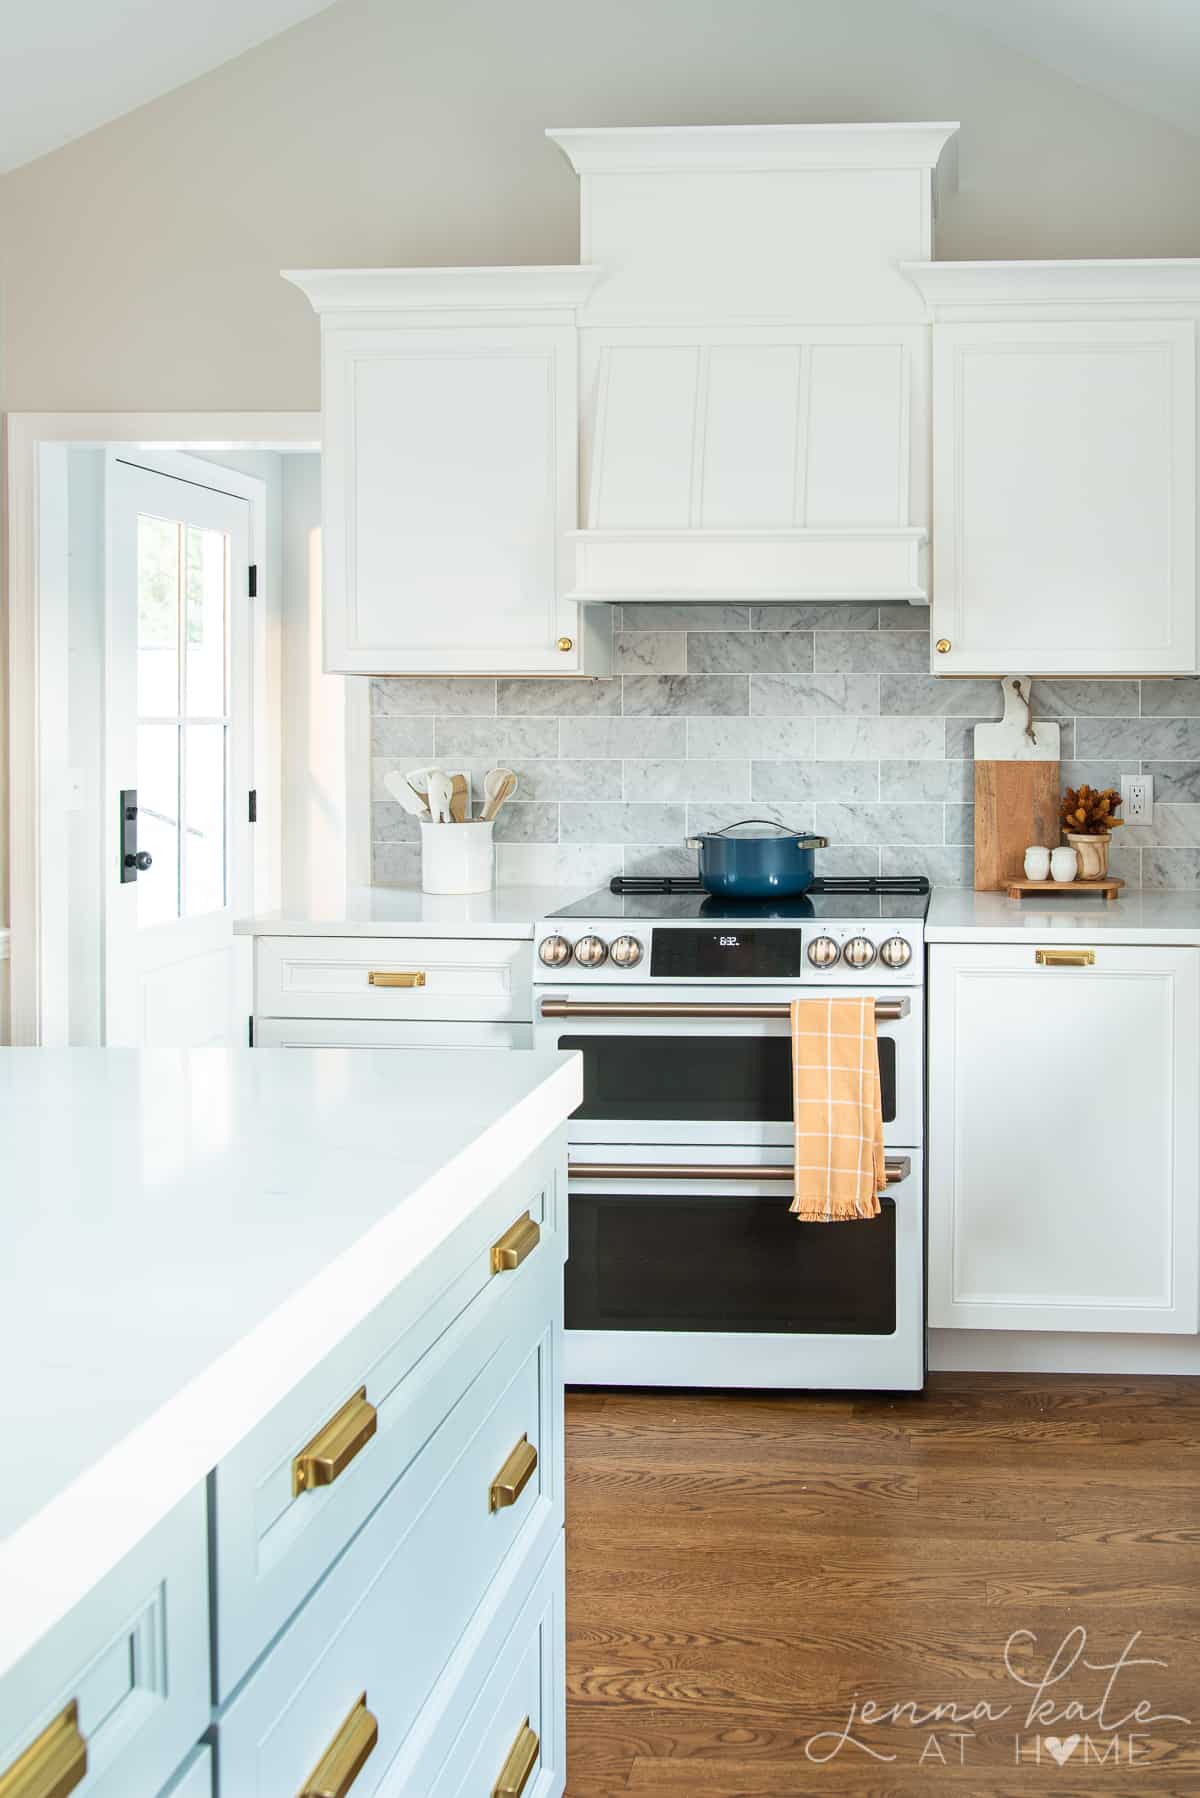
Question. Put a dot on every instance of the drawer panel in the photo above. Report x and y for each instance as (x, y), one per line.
(132, 1661)
(386, 1033)
(412, 1360)
(386, 1619)
(434, 978)
(508, 1673)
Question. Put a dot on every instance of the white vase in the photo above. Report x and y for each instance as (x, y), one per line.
(1064, 864)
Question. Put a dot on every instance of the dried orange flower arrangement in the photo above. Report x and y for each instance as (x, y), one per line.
(1086, 812)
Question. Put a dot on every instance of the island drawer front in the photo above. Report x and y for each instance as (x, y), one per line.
(133, 1659)
(508, 1673)
(386, 1033)
(412, 1360)
(434, 978)
(387, 1618)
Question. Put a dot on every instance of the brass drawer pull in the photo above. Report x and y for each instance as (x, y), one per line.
(518, 1241)
(385, 977)
(522, 1758)
(1065, 958)
(56, 1763)
(343, 1760)
(513, 1477)
(334, 1446)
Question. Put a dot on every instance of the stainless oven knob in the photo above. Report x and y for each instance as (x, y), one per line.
(590, 951)
(823, 952)
(554, 950)
(896, 952)
(626, 951)
(859, 952)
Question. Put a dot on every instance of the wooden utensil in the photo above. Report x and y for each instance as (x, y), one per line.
(500, 784)
(460, 796)
(1017, 788)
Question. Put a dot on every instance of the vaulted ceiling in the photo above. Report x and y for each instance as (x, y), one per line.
(67, 66)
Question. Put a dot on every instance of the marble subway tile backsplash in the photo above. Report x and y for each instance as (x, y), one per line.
(821, 716)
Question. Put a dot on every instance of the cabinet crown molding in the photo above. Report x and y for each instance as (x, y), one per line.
(642, 149)
(945, 286)
(561, 289)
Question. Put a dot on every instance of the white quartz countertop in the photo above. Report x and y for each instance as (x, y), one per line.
(405, 911)
(959, 915)
(173, 1220)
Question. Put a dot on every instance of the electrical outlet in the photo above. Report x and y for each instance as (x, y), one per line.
(1137, 798)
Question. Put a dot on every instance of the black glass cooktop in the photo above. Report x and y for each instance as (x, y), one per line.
(830, 906)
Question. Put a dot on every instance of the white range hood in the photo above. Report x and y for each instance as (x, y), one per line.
(754, 365)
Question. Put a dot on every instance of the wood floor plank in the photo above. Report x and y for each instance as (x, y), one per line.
(742, 1569)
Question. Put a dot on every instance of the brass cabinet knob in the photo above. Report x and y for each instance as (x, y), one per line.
(343, 1760)
(513, 1477)
(522, 1757)
(943, 646)
(519, 1240)
(566, 644)
(332, 1449)
(53, 1765)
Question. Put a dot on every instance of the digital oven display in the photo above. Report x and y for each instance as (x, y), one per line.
(729, 954)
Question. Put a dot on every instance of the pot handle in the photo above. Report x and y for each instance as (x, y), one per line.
(804, 837)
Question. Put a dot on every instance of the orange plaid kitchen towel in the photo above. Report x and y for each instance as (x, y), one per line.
(836, 1110)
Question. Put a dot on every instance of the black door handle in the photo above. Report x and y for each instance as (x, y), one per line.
(141, 861)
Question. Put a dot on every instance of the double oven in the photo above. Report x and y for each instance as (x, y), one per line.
(686, 1266)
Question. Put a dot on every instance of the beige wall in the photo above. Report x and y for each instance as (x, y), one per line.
(141, 263)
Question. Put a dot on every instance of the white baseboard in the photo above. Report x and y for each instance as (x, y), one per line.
(1022, 1351)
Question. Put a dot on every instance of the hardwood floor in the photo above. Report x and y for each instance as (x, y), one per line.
(741, 1570)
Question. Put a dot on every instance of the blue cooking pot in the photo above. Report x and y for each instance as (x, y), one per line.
(756, 860)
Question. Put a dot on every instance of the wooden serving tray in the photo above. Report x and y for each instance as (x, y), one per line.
(1021, 889)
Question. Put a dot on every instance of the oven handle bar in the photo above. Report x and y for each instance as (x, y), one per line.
(897, 1167)
(886, 1010)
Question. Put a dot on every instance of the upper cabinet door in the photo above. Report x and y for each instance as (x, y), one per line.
(449, 471)
(1064, 468)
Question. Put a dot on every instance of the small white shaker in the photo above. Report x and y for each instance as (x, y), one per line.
(1064, 864)
(1037, 862)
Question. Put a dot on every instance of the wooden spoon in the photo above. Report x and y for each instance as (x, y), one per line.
(460, 794)
(500, 784)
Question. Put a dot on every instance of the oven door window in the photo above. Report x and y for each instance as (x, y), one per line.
(703, 1262)
(697, 1079)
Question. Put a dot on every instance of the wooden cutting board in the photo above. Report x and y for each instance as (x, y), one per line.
(1017, 788)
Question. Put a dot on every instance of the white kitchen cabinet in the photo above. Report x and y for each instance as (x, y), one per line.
(449, 445)
(1064, 467)
(1064, 1174)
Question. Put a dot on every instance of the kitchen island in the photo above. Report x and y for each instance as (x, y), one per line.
(265, 1323)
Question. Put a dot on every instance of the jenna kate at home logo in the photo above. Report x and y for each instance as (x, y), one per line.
(1069, 1708)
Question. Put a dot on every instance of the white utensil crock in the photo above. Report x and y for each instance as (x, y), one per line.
(458, 858)
(1064, 863)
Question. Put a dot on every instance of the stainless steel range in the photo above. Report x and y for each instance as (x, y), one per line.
(686, 1267)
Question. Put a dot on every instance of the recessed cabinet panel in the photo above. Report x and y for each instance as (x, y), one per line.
(857, 435)
(1065, 497)
(1064, 1184)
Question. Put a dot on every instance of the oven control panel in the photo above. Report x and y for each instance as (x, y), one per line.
(882, 952)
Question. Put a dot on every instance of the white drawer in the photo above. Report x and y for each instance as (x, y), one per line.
(445, 978)
(383, 1624)
(506, 1678)
(195, 1779)
(412, 1360)
(386, 1033)
(132, 1661)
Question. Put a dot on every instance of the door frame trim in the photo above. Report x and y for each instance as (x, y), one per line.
(36, 987)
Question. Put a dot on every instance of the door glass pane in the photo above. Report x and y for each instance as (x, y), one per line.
(204, 811)
(158, 822)
(158, 616)
(699, 1079)
(207, 556)
(705, 1262)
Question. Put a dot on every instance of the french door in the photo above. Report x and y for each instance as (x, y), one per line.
(178, 866)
